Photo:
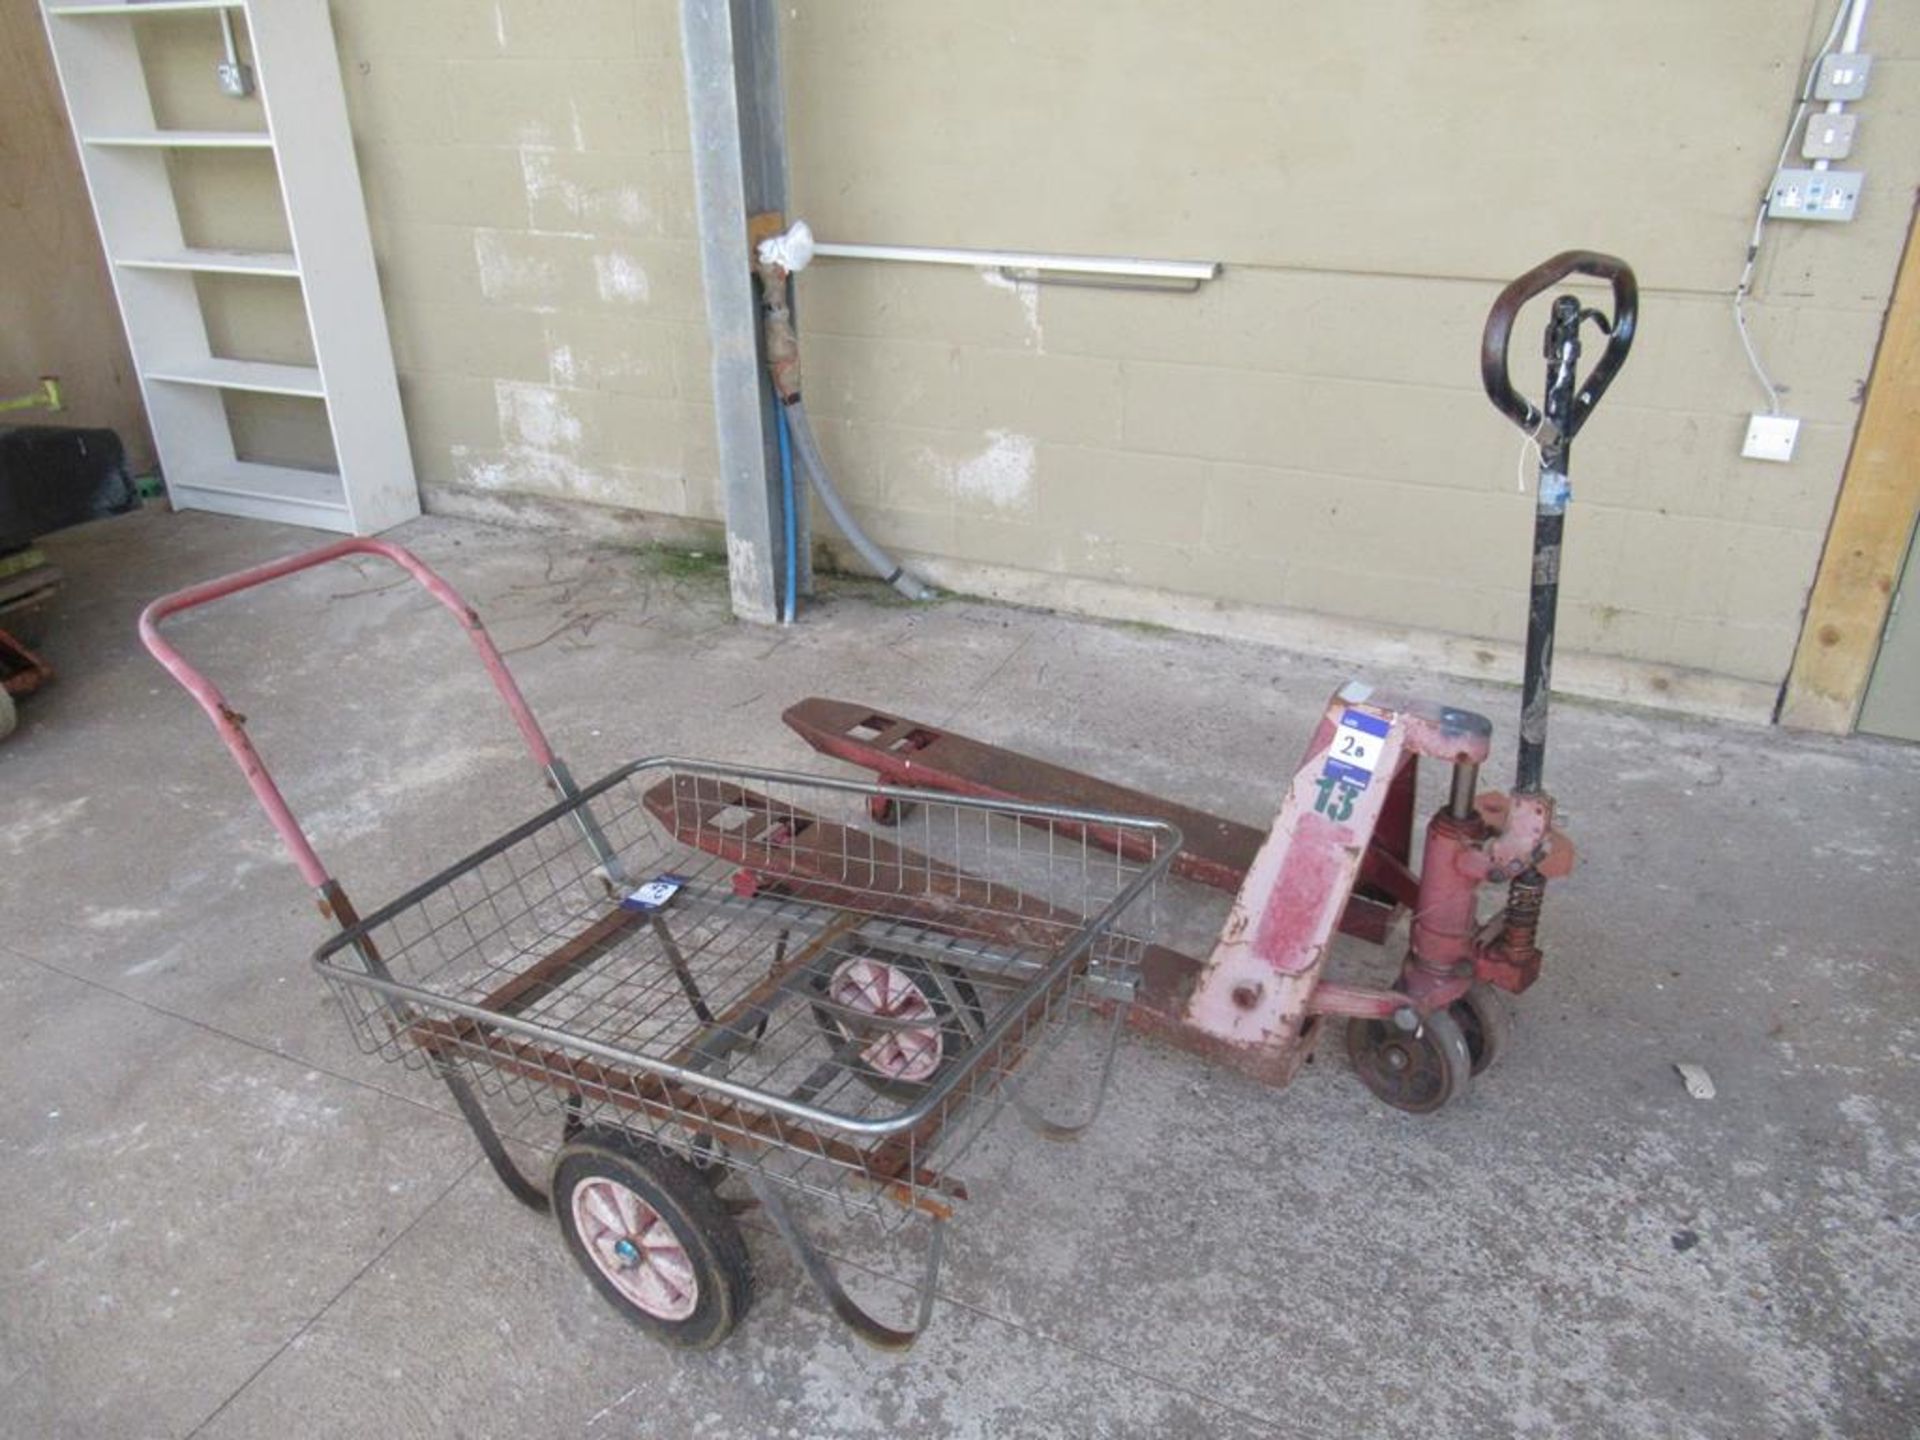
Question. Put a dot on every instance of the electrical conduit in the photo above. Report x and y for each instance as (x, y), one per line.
(790, 515)
(775, 260)
(882, 563)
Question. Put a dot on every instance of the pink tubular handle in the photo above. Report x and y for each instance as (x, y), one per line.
(231, 724)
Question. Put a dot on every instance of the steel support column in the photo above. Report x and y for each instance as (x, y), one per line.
(734, 102)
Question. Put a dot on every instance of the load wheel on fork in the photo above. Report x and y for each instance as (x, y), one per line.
(885, 810)
(654, 1239)
(1483, 1018)
(1417, 1070)
(928, 1017)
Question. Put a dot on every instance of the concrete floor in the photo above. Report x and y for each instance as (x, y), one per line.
(223, 1220)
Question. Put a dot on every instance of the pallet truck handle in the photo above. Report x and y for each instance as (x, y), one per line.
(232, 725)
(1537, 281)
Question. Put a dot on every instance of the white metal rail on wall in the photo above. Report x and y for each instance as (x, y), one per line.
(1114, 270)
(124, 153)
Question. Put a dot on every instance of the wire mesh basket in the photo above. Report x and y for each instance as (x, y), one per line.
(716, 960)
(709, 971)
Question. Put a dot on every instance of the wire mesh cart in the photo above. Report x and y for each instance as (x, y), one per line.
(688, 972)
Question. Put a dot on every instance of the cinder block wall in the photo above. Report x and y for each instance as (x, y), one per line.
(529, 188)
(1309, 431)
(528, 172)
(1305, 435)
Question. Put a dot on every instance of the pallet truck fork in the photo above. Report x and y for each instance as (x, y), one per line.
(1339, 854)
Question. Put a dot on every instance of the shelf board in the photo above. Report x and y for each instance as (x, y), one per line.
(252, 479)
(187, 139)
(218, 262)
(137, 7)
(255, 375)
(247, 488)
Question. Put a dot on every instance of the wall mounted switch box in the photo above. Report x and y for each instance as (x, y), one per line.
(1770, 437)
(1814, 195)
(1842, 77)
(1828, 137)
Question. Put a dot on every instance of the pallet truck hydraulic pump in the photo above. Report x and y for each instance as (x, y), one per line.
(1339, 854)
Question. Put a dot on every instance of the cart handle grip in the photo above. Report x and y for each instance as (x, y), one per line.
(232, 725)
(1537, 281)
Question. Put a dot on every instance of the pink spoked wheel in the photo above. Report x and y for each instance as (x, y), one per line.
(653, 1238)
(895, 1019)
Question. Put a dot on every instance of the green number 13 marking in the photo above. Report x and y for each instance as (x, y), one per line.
(1336, 797)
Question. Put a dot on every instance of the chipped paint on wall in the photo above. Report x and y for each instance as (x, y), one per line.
(536, 416)
(588, 209)
(620, 278)
(1001, 475)
(747, 573)
(1027, 292)
(511, 276)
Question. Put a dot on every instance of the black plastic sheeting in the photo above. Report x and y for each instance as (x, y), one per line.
(52, 476)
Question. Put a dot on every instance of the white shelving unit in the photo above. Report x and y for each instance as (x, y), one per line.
(123, 151)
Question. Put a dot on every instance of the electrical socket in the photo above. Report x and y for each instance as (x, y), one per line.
(1814, 195)
(1771, 437)
(1828, 137)
(236, 78)
(1842, 77)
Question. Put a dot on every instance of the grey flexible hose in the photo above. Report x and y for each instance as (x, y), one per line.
(884, 565)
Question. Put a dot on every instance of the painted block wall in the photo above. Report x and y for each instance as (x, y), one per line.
(529, 189)
(1309, 430)
(57, 313)
(1305, 434)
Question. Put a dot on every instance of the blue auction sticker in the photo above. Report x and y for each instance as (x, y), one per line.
(1358, 742)
(654, 894)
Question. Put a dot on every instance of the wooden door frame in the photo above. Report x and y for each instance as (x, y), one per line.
(1873, 523)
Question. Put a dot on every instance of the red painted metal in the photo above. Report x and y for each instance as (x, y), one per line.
(1256, 1001)
(908, 753)
(787, 850)
(21, 671)
(784, 850)
(232, 725)
(1504, 838)
(1218, 852)
(1253, 995)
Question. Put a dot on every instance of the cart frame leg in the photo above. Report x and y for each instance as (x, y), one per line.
(1047, 1129)
(1029, 1113)
(529, 1194)
(849, 1311)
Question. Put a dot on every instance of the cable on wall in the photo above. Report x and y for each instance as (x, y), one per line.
(1805, 100)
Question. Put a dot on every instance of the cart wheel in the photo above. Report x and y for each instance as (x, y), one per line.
(1418, 1072)
(654, 1239)
(1484, 1019)
(900, 1061)
(885, 810)
(9, 714)
(703, 1156)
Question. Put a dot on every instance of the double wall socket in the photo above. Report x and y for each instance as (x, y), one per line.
(1770, 437)
(1814, 195)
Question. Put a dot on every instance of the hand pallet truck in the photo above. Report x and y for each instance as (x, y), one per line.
(1339, 855)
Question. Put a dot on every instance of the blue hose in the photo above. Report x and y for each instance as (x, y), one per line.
(789, 510)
